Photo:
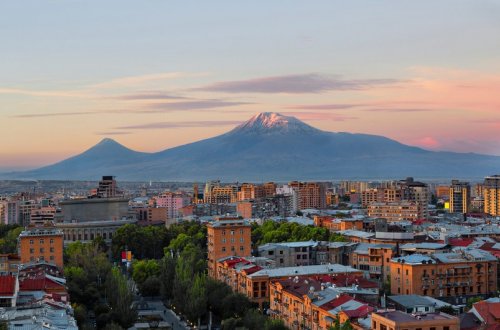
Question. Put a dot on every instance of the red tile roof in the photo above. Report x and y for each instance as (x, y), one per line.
(362, 311)
(490, 313)
(40, 284)
(460, 241)
(7, 285)
(336, 302)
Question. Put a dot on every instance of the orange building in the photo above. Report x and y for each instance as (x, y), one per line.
(312, 195)
(399, 320)
(9, 264)
(309, 303)
(491, 193)
(269, 189)
(400, 211)
(41, 244)
(244, 209)
(227, 236)
(449, 276)
(251, 276)
(333, 224)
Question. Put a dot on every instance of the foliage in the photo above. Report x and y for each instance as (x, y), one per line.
(91, 279)
(8, 238)
(275, 325)
(341, 326)
(448, 310)
(273, 232)
(119, 293)
(472, 301)
(142, 269)
(254, 320)
(149, 242)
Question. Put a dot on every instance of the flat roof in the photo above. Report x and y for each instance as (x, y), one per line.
(305, 270)
(399, 316)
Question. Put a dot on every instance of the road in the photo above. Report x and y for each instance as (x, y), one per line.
(167, 314)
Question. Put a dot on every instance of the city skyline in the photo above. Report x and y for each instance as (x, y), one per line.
(157, 75)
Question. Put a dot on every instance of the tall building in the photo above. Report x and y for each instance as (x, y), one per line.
(216, 194)
(107, 187)
(41, 244)
(173, 202)
(459, 197)
(417, 192)
(491, 193)
(312, 195)
(227, 236)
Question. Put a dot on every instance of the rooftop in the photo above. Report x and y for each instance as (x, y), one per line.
(304, 270)
(399, 316)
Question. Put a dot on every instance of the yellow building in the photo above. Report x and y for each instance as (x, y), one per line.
(491, 193)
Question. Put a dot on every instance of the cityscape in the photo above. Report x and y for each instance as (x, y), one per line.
(220, 165)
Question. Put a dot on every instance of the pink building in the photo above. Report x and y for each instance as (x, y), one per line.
(173, 202)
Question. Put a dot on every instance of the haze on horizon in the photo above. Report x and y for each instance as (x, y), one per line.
(158, 74)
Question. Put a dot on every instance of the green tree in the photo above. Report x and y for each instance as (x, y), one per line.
(197, 304)
(254, 320)
(472, 301)
(167, 275)
(120, 297)
(8, 243)
(275, 325)
(341, 326)
(448, 310)
(143, 269)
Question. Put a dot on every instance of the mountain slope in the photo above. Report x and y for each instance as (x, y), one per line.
(270, 146)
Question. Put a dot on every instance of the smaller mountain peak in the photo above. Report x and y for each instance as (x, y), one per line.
(107, 141)
(270, 122)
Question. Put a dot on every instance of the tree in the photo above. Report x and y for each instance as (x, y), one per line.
(8, 243)
(197, 306)
(254, 320)
(472, 301)
(235, 305)
(167, 276)
(150, 287)
(120, 297)
(447, 310)
(341, 326)
(275, 325)
(143, 269)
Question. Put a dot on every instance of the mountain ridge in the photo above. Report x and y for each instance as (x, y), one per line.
(269, 146)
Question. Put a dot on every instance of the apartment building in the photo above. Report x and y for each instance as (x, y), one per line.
(453, 277)
(227, 236)
(460, 197)
(305, 302)
(311, 195)
(290, 254)
(394, 212)
(491, 193)
(423, 321)
(41, 244)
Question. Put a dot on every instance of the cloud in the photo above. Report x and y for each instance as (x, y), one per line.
(325, 106)
(113, 133)
(182, 124)
(55, 114)
(399, 110)
(194, 105)
(149, 96)
(295, 84)
(42, 93)
(137, 80)
(320, 116)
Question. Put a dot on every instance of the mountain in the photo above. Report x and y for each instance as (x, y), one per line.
(271, 146)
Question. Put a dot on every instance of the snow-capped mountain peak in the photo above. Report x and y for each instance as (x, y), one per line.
(272, 122)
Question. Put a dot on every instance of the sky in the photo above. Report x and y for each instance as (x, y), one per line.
(156, 74)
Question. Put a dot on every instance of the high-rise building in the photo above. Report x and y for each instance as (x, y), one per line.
(491, 193)
(417, 192)
(311, 195)
(227, 236)
(459, 197)
(107, 187)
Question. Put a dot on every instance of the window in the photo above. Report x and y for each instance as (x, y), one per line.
(270, 253)
(232, 240)
(51, 257)
(241, 231)
(51, 241)
(407, 272)
(281, 260)
(298, 256)
(223, 232)
(42, 250)
(242, 240)
(223, 240)
(223, 249)
(399, 271)
(232, 232)
(232, 248)
(31, 241)
(52, 249)
(383, 327)
(242, 248)
(374, 325)
(32, 258)
(446, 328)
(32, 250)
(42, 241)
(281, 251)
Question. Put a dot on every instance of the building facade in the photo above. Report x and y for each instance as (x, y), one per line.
(41, 244)
(459, 197)
(491, 194)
